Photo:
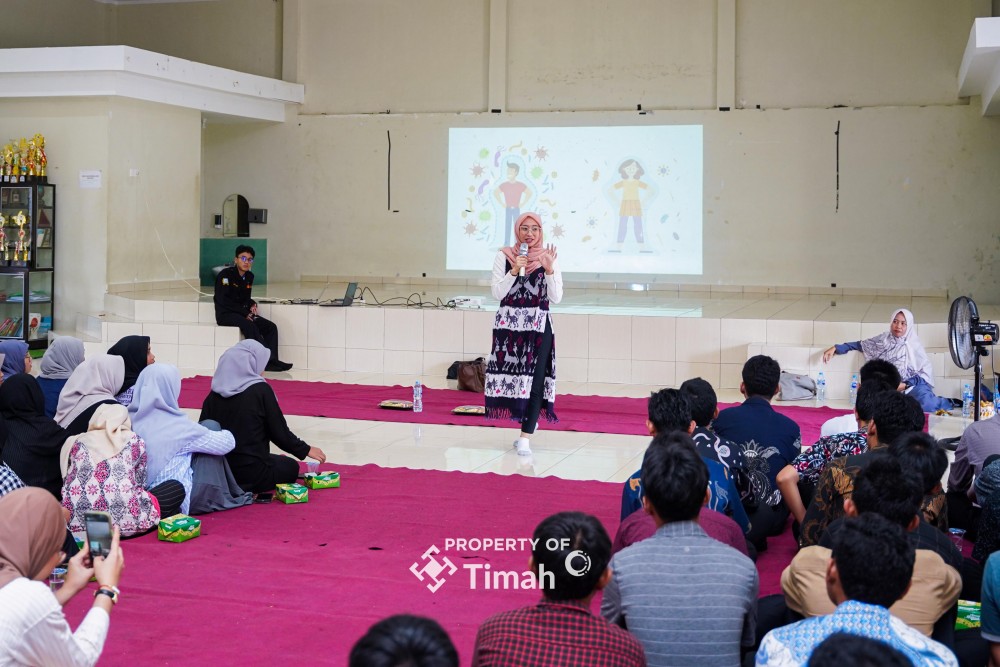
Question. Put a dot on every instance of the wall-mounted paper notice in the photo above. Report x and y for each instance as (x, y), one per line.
(90, 180)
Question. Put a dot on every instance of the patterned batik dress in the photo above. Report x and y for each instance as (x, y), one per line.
(114, 485)
(518, 331)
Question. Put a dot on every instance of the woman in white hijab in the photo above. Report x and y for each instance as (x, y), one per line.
(94, 382)
(901, 347)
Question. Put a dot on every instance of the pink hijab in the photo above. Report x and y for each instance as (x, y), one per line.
(534, 250)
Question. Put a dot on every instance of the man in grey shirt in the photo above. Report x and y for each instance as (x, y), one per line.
(689, 599)
(979, 441)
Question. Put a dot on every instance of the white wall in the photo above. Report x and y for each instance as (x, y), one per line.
(154, 188)
(243, 35)
(917, 207)
(917, 202)
(76, 138)
(905, 220)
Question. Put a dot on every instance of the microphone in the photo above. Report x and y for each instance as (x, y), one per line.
(523, 253)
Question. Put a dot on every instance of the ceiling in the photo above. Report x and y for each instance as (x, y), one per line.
(979, 74)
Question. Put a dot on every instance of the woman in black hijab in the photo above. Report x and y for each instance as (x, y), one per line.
(33, 440)
(137, 353)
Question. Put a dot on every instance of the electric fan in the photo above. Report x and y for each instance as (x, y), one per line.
(968, 339)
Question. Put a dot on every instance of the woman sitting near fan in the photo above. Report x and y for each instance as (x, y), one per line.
(901, 347)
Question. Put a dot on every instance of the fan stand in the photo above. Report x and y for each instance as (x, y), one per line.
(980, 351)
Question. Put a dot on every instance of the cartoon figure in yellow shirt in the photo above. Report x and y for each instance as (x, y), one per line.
(632, 188)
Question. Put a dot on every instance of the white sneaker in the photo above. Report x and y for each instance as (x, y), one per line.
(522, 446)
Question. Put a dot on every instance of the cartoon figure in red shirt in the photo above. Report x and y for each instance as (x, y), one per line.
(512, 193)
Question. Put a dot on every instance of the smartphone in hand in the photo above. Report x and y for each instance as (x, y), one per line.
(98, 533)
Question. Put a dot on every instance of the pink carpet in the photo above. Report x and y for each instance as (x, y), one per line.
(301, 583)
(591, 414)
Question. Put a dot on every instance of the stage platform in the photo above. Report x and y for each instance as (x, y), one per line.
(657, 337)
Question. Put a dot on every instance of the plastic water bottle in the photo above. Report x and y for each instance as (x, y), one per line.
(418, 397)
(854, 389)
(966, 401)
(821, 388)
(996, 396)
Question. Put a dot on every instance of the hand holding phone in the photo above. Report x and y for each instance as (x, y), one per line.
(78, 573)
(108, 568)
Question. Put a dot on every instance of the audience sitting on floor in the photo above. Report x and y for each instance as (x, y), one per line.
(770, 441)
(872, 481)
(16, 358)
(404, 641)
(875, 368)
(61, 358)
(33, 440)
(922, 460)
(687, 597)
(979, 441)
(33, 629)
(797, 481)
(93, 383)
(870, 568)
(137, 353)
(180, 449)
(893, 491)
(560, 630)
(107, 471)
(669, 411)
(705, 408)
(244, 404)
(893, 415)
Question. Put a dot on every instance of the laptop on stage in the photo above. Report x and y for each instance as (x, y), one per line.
(348, 297)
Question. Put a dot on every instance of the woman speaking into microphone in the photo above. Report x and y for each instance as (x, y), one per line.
(521, 373)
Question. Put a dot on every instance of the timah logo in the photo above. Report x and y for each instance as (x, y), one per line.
(437, 568)
(433, 569)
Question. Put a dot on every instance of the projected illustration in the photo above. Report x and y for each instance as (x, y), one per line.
(613, 199)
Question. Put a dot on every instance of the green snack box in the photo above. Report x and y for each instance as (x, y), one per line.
(322, 480)
(968, 615)
(178, 528)
(292, 493)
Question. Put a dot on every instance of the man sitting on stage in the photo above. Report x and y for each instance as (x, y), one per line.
(234, 306)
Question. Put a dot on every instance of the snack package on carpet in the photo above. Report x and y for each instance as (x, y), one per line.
(178, 528)
(291, 494)
(322, 480)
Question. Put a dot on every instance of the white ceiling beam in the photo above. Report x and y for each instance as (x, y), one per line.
(979, 73)
(88, 71)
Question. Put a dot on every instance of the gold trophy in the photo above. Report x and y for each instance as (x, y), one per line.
(3, 237)
(23, 154)
(20, 220)
(42, 161)
(8, 162)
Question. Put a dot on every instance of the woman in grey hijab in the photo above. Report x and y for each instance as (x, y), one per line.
(60, 360)
(245, 405)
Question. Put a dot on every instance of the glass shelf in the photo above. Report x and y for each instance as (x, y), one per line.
(27, 258)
